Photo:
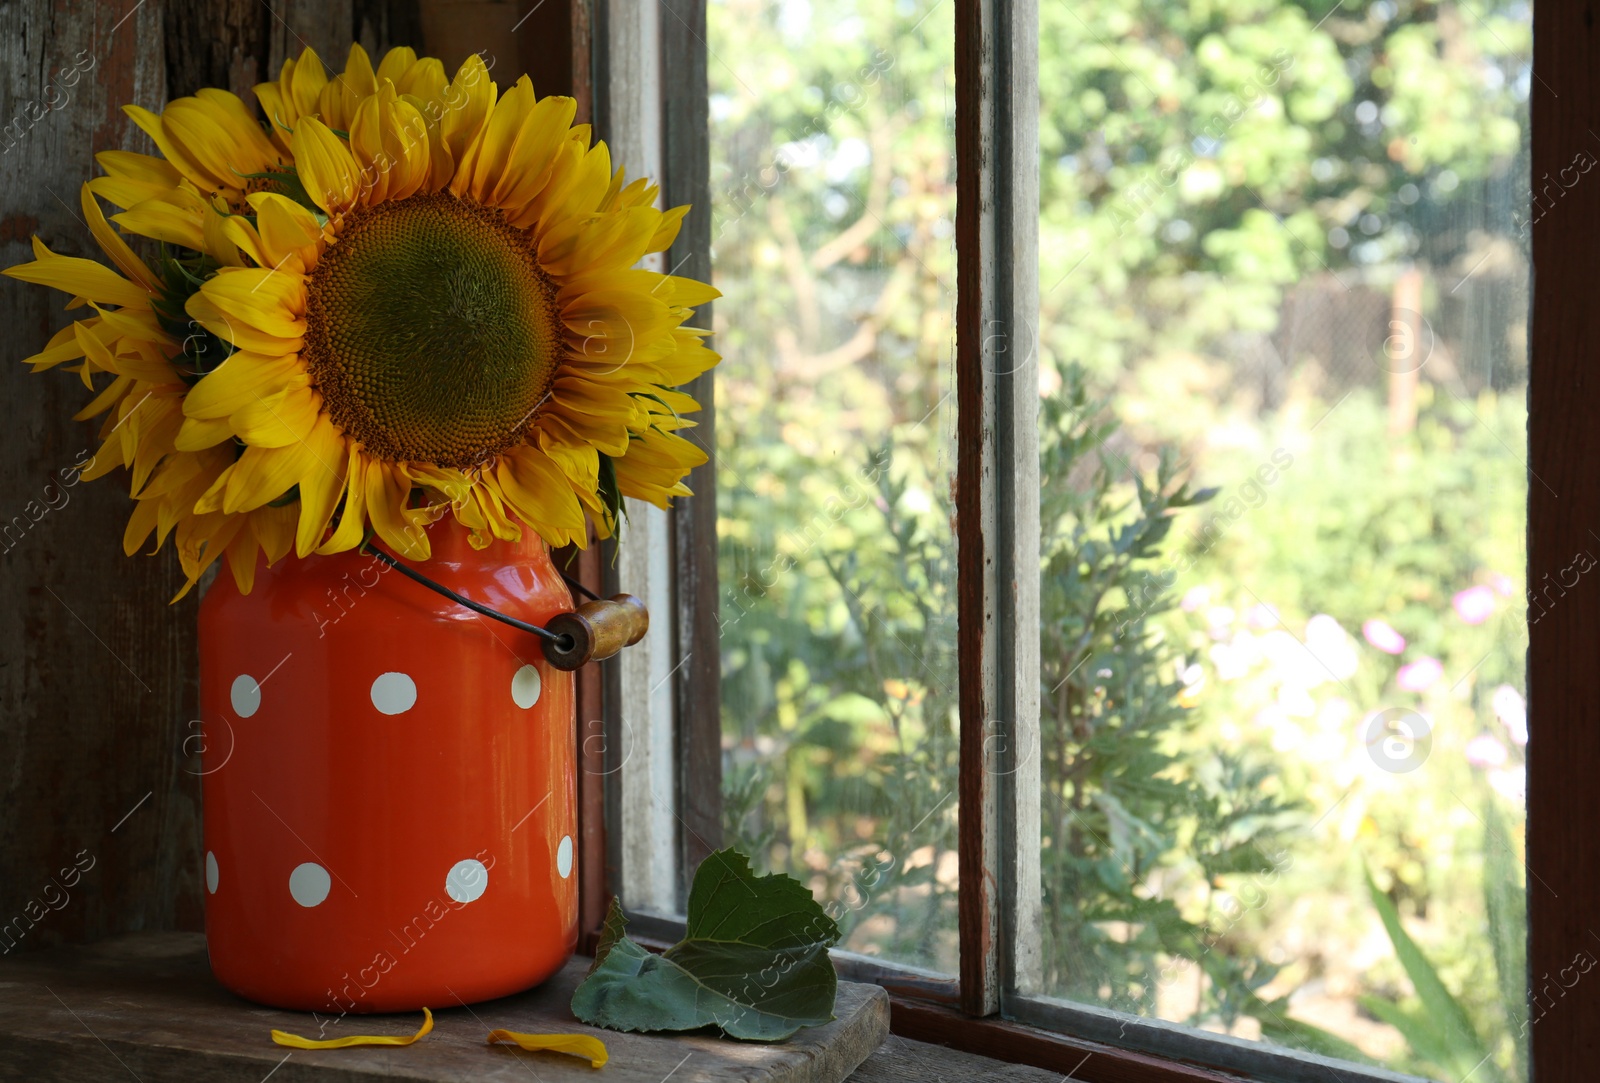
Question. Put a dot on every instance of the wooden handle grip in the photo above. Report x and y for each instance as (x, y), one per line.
(596, 631)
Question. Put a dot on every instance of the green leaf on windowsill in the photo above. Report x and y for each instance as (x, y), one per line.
(753, 961)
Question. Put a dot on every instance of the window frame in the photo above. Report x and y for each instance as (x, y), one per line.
(991, 1008)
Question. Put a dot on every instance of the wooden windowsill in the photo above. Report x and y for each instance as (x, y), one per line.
(146, 1007)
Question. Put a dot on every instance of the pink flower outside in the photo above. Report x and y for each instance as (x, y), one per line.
(1262, 616)
(1475, 604)
(1381, 634)
(1485, 751)
(1420, 675)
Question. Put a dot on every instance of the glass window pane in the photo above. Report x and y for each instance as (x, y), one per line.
(1284, 284)
(833, 200)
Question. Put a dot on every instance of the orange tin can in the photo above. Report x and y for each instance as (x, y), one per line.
(389, 781)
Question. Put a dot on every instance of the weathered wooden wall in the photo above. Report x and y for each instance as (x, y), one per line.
(96, 668)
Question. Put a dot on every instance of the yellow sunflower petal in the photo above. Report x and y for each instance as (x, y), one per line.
(353, 515)
(108, 398)
(402, 528)
(467, 101)
(154, 438)
(218, 244)
(655, 465)
(262, 475)
(131, 364)
(81, 278)
(302, 81)
(488, 157)
(243, 235)
(685, 292)
(237, 331)
(63, 346)
(396, 63)
(286, 228)
(667, 229)
(114, 246)
(532, 484)
(547, 209)
(338, 100)
(579, 1045)
(389, 139)
(202, 540)
(138, 325)
(106, 459)
(244, 553)
(269, 299)
(493, 512)
(277, 420)
(278, 112)
(331, 176)
(320, 486)
(426, 79)
(274, 527)
(197, 434)
(614, 242)
(296, 1042)
(200, 134)
(151, 125)
(599, 414)
(146, 513)
(241, 379)
(253, 151)
(178, 217)
(133, 178)
(530, 161)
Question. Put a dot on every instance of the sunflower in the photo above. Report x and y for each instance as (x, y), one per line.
(399, 298)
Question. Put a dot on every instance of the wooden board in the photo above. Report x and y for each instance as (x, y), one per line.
(900, 1060)
(96, 669)
(145, 1006)
(1563, 863)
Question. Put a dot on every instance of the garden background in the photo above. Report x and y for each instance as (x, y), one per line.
(1282, 358)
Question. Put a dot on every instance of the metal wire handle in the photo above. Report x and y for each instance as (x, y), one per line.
(595, 630)
(560, 641)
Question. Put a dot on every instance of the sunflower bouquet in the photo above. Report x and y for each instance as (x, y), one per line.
(401, 296)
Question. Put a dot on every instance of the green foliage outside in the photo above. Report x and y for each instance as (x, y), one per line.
(1215, 798)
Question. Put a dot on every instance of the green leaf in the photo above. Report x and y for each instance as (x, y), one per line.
(1422, 1034)
(1452, 1042)
(611, 932)
(1506, 904)
(753, 962)
(610, 492)
(1297, 1034)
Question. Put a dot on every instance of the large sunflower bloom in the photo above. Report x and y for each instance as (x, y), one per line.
(401, 298)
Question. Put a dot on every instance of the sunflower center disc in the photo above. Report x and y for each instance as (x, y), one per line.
(431, 332)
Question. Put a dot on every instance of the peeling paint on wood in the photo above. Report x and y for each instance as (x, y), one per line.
(98, 758)
(96, 669)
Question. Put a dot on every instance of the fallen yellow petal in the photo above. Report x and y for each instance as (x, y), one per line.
(294, 1041)
(579, 1045)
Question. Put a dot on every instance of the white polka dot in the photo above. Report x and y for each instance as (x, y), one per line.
(394, 693)
(309, 884)
(467, 880)
(525, 687)
(211, 872)
(246, 695)
(564, 857)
